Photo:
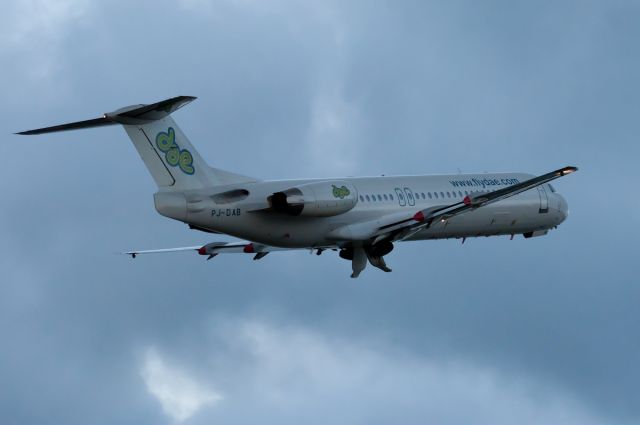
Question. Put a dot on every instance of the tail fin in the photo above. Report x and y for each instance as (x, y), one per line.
(172, 161)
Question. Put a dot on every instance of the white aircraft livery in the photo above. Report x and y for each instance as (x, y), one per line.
(361, 217)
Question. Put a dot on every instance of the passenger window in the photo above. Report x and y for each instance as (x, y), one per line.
(386, 198)
(379, 198)
(442, 195)
(435, 194)
(361, 198)
(391, 197)
(367, 198)
(423, 197)
(460, 193)
(429, 193)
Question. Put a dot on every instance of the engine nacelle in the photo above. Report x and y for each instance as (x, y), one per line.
(321, 199)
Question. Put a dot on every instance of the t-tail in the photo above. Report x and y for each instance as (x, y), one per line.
(171, 159)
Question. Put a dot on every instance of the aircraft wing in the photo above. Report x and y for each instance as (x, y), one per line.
(214, 248)
(400, 226)
(425, 218)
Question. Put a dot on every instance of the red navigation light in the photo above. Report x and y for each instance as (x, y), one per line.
(467, 200)
(202, 251)
(419, 216)
(248, 248)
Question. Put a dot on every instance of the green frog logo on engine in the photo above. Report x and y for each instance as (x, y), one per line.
(174, 156)
(340, 192)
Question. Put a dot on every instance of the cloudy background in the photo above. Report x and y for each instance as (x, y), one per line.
(493, 332)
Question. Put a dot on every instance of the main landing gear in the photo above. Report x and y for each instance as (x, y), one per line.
(359, 254)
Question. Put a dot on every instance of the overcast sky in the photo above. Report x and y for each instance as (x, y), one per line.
(532, 331)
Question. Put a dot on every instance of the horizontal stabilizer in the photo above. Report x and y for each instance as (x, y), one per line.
(97, 122)
(131, 115)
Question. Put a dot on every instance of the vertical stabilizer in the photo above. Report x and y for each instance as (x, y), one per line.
(172, 161)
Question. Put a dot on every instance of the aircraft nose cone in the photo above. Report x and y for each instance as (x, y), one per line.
(563, 207)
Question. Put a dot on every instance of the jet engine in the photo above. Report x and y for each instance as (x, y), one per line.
(321, 199)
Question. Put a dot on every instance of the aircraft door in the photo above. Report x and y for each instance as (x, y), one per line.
(544, 200)
(401, 200)
(410, 198)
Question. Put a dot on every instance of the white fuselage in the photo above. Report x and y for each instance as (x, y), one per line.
(363, 216)
(532, 212)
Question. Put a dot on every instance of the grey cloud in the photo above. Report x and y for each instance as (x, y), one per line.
(415, 87)
(290, 373)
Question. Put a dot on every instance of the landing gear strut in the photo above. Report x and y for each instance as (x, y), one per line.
(359, 254)
(359, 261)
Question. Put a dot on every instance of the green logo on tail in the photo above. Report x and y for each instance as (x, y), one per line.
(340, 192)
(174, 156)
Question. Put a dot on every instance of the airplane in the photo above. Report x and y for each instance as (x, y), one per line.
(359, 217)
